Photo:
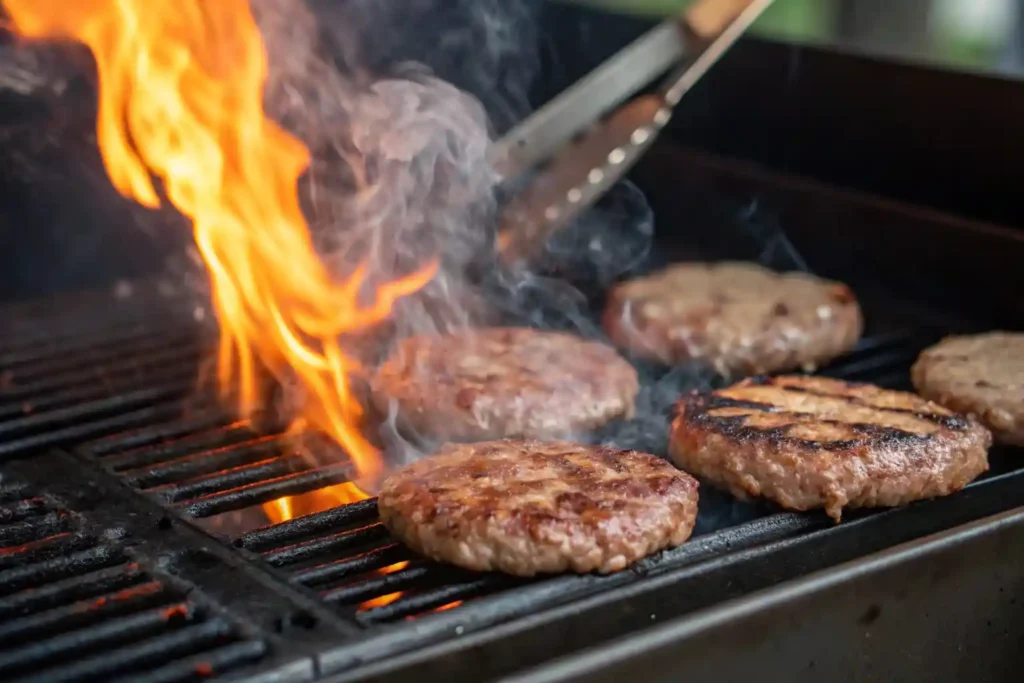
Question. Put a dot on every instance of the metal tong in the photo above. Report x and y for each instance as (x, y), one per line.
(587, 152)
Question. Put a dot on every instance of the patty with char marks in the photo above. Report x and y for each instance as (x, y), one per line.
(738, 318)
(981, 375)
(811, 442)
(499, 383)
(530, 507)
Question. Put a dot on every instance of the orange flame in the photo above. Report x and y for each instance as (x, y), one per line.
(181, 88)
(283, 509)
(390, 597)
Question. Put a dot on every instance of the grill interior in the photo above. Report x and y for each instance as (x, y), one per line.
(127, 496)
(119, 402)
(78, 603)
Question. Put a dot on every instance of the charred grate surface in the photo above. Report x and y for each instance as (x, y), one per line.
(211, 471)
(332, 589)
(78, 606)
(94, 364)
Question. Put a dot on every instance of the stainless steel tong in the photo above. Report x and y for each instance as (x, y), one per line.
(584, 149)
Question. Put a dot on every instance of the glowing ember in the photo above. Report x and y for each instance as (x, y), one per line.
(181, 87)
(450, 605)
(390, 597)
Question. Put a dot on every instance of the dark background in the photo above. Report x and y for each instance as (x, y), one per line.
(850, 114)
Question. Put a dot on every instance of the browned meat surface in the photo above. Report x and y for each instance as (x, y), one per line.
(503, 383)
(529, 507)
(810, 442)
(739, 318)
(982, 375)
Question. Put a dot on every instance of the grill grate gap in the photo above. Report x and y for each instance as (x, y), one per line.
(217, 468)
(75, 608)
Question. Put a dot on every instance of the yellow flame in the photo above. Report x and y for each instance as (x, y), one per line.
(289, 507)
(181, 88)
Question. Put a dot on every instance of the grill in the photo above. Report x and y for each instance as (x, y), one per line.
(133, 546)
(138, 471)
(79, 603)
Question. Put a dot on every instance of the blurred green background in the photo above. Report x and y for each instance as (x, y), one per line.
(972, 33)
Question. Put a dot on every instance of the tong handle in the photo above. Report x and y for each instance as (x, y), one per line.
(713, 26)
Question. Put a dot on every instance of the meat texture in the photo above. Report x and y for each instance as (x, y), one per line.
(811, 442)
(739, 318)
(503, 383)
(529, 507)
(981, 375)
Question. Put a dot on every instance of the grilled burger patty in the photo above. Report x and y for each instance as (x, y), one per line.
(529, 507)
(505, 382)
(982, 375)
(809, 442)
(739, 318)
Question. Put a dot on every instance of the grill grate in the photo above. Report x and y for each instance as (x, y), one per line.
(73, 371)
(333, 585)
(205, 468)
(77, 606)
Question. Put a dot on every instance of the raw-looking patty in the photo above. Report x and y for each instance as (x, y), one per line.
(811, 442)
(529, 507)
(981, 375)
(738, 318)
(505, 382)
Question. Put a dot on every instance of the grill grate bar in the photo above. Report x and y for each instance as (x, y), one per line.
(76, 588)
(82, 613)
(895, 360)
(179, 447)
(410, 577)
(205, 665)
(28, 576)
(325, 547)
(20, 510)
(140, 440)
(202, 462)
(279, 535)
(39, 528)
(264, 492)
(233, 478)
(135, 335)
(84, 429)
(82, 397)
(23, 346)
(86, 410)
(136, 370)
(360, 564)
(153, 652)
(50, 364)
(419, 603)
(44, 549)
(114, 633)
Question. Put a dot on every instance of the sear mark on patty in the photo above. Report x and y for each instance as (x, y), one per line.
(529, 507)
(809, 442)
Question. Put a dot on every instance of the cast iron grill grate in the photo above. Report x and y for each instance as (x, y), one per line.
(77, 606)
(209, 467)
(122, 398)
(94, 364)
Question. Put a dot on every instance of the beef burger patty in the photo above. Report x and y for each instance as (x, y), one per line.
(505, 382)
(737, 317)
(529, 507)
(982, 375)
(810, 442)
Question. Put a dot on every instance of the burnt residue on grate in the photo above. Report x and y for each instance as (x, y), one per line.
(81, 367)
(75, 606)
(206, 469)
